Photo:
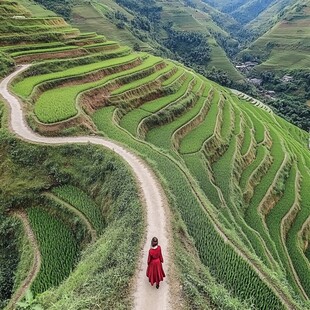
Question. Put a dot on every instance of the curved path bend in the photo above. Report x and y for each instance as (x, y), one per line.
(157, 223)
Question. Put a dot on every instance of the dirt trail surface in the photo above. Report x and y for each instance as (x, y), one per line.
(35, 265)
(145, 296)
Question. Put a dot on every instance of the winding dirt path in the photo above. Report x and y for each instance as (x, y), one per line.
(35, 268)
(145, 296)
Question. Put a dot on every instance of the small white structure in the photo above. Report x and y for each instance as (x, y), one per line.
(19, 17)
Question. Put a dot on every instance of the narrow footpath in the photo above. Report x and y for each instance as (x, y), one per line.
(157, 223)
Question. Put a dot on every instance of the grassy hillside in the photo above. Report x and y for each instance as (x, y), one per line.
(63, 236)
(237, 176)
(123, 21)
(198, 20)
(93, 17)
(286, 46)
(250, 10)
(269, 17)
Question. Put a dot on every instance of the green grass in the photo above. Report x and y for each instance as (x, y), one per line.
(82, 202)
(197, 166)
(143, 81)
(193, 141)
(273, 221)
(261, 153)
(228, 114)
(131, 120)
(43, 51)
(161, 136)
(222, 261)
(300, 262)
(247, 140)
(25, 86)
(252, 214)
(54, 106)
(58, 249)
(259, 129)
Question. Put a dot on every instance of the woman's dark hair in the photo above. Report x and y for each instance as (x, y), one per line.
(154, 241)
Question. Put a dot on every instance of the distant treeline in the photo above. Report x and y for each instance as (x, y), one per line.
(61, 7)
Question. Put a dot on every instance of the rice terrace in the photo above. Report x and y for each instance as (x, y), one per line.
(104, 146)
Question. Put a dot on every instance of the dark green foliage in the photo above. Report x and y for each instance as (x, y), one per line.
(6, 64)
(141, 22)
(102, 177)
(61, 7)
(26, 154)
(191, 47)
(1, 114)
(103, 275)
(250, 11)
(219, 76)
(8, 256)
(290, 97)
(58, 248)
(148, 8)
(307, 253)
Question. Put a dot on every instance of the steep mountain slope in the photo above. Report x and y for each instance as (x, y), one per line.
(237, 176)
(123, 21)
(286, 46)
(227, 6)
(269, 17)
(247, 11)
(96, 16)
(250, 10)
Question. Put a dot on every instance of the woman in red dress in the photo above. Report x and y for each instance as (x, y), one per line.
(155, 271)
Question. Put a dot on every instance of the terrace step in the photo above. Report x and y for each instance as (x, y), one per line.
(62, 52)
(172, 90)
(168, 113)
(163, 136)
(149, 93)
(193, 141)
(53, 66)
(44, 37)
(61, 80)
(294, 239)
(194, 122)
(248, 154)
(101, 95)
(274, 223)
(101, 46)
(274, 192)
(133, 91)
(257, 175)
(304, 234)
(252, 100)
(214, 146)
(58, 53)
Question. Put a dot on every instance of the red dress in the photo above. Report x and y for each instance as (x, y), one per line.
(155, 271)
